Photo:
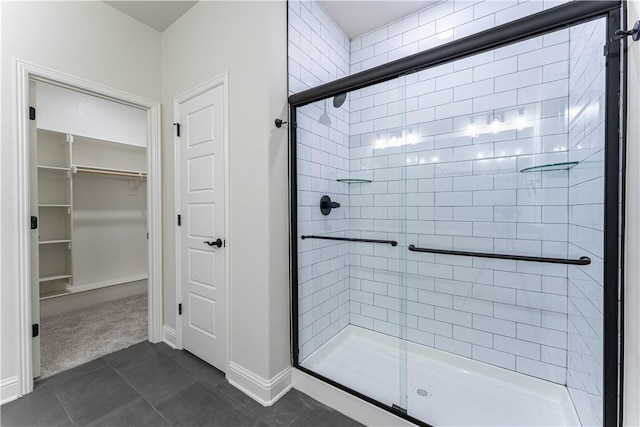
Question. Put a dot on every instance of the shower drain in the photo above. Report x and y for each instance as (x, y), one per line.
(422, 392)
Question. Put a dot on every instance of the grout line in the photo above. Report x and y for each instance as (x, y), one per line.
(63, 406)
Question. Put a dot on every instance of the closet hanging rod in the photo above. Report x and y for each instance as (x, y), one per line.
(582, 261)
(83, 169)
(349, 239)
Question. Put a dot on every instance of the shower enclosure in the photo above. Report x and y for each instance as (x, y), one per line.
(453, 260)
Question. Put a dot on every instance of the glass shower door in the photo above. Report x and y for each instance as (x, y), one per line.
(351, 243)
(506, 159)
(379, 141)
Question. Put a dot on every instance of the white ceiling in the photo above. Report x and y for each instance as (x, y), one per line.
(156, 14)
(357, 17)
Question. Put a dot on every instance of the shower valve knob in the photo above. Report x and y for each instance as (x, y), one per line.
(326, 205)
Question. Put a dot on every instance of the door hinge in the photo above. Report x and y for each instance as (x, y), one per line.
(147, 236)
(180, 309)
(34, 222)
(35, 330)
(224, 243)
(605, 50)
(179, 220)
(32, 113)
(177, 125)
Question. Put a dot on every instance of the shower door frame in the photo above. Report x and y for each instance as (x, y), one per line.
(553, 19)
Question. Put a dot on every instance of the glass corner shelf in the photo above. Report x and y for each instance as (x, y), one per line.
(353, 180)
(550, 167)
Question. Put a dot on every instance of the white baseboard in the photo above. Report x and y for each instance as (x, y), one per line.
(265, 392)
(75, 301)
(347, 404)
(8, 390)
(169, 336)
(105, 284)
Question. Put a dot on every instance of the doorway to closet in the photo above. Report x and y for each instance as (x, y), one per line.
(89, 251)
(88, 169)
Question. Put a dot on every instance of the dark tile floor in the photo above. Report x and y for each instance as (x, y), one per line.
(154, 385)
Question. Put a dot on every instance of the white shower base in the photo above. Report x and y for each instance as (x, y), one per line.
(462, 392)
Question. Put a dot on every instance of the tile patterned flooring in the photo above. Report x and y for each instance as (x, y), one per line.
(154, 385)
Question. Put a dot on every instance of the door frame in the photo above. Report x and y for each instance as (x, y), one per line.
(24, 72)
(220, 80)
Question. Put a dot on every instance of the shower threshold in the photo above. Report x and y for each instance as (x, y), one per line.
(442, 389)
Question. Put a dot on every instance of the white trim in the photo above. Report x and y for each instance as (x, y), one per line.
(177, 236)
(154, 222)
(25, 374)
(222, 79)
(74, 301)
(265, 392)
(24, 72)
(8, 390)
(351, 406)
(169, 336)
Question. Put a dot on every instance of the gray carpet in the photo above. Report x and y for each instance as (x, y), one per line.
(73, 338)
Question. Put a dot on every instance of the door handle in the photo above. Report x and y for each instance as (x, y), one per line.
(217, 243)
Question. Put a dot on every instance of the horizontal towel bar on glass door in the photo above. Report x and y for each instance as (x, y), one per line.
(349, 239)
(582, 261)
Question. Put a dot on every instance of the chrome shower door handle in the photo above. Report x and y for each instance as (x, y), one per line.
(217, 243)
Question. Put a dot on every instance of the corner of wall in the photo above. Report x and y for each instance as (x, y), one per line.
(169, 336)
(265, 392)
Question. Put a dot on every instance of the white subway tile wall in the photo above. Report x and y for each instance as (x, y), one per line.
(448, 169)
(586, 229)
(318, 48)
(447, 21)
(444, 148)
(319, 53)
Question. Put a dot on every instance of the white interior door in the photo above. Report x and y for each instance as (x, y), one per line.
(202, 210)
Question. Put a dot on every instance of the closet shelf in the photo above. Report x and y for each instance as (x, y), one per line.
(51, 242)
(108, 171)
(55, 277)
(550, 167)
(56, 168)
(54, 205)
